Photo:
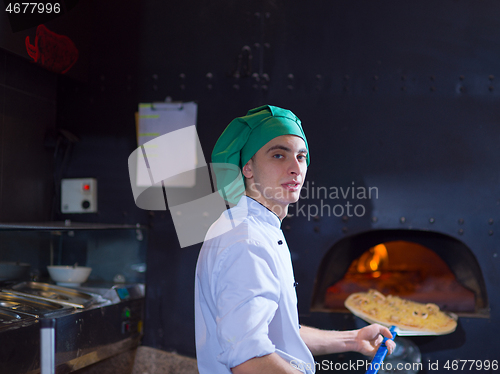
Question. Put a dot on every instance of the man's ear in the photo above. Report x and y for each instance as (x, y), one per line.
(247, 169)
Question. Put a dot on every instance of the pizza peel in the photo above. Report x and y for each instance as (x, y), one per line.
(395, 330)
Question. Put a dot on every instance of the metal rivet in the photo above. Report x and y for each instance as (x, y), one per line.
(431, 220)
(461, 77)
(461, 221)
(432, 78)
(316, 229)
(289, 87)
(461, 231)
(345, 218)
(290, 76)
(287, 228)
(491, 77)
(490, 233)
(433, 88)
(316, 218)
(375, 77)
(374, 219)
(402, 220)
(344, 229)
(490, 221)
(490, 88)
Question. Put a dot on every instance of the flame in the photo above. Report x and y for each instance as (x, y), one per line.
(373, 260)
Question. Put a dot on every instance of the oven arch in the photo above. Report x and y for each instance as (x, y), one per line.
(458, 256)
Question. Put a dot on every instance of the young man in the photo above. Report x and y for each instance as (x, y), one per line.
(246, 305)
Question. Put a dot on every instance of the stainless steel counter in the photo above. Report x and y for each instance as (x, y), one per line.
(110, 324)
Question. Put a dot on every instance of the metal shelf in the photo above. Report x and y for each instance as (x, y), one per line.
(66, 226)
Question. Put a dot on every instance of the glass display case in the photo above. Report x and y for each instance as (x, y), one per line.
(116, 253)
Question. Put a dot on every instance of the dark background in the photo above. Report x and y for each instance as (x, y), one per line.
(401, 96)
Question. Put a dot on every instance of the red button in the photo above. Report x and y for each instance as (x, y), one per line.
(125, 327)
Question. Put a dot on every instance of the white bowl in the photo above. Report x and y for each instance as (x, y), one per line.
(69, 275)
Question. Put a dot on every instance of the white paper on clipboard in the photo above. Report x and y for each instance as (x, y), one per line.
(169, 141)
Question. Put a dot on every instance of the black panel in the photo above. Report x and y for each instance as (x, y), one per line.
(28, 112)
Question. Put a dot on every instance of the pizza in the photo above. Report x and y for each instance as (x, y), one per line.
(374, 307)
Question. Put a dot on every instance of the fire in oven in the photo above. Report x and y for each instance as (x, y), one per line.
(86, 325)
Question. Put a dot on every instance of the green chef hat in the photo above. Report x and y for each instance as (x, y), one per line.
(242, 138)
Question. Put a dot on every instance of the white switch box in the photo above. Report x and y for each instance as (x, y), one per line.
(79, 195)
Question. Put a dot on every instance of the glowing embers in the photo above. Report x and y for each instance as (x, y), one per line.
(54, 52)
(405, 269)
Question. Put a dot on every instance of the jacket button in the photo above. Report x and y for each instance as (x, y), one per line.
(280, 242)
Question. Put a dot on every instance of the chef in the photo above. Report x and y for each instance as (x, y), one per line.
(246, 313)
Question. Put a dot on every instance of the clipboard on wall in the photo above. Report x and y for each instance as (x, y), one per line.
(166, 134)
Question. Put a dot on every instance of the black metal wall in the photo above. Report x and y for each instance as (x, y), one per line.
(27, 112)
(397, 96)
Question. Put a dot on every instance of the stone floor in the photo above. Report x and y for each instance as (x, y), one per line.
(143, 360)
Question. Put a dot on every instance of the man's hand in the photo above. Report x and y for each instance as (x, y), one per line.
(365, 340)
(370, 337)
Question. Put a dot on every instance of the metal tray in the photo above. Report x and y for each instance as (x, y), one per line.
(10, 319)
(28, 305)
(52, 293)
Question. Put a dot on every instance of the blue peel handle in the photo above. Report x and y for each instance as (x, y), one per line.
(381, 353)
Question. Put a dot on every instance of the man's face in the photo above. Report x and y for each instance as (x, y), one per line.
(276, 173)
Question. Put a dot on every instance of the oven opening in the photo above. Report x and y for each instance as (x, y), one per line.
(422, 266)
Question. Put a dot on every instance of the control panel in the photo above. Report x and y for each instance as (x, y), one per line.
(131, 321)
(79, 195)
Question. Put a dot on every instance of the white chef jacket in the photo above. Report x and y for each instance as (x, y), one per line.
(245, 299)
